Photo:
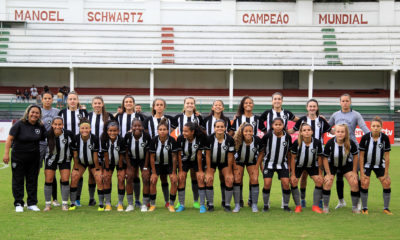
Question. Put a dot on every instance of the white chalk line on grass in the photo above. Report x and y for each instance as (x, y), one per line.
(3, 166)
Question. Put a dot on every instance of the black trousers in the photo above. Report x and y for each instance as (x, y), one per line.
(25, 169)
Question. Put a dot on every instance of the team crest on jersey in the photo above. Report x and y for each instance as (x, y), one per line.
(167, 147)
(253, 123)
(265, 171)
(284, 117)
(14, 165)
(284, 144)
(117, 148)
(319, 125)
(64, 141)
(313, 150)
(254, 149)
(380, 145)
(225, 147)
(90, 146)
(79, 116)
(143, 144)
(196, 146)
(49, 122)
(37, 131)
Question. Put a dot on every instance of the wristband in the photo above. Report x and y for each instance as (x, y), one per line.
(145, 168)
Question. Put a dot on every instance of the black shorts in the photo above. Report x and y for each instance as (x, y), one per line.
(219, 166)
(282, 173)
(137, 163)
(379, 172)
(246, 163)
(53, 165)
(187, 165)
(163, 169)
(343, 170)
(312, 171)
(113, 167)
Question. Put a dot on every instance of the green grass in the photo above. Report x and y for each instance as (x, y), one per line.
(87, 223)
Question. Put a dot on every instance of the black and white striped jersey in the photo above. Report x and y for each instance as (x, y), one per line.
(137, 148)
(271, 114)
(72, 119)
(151, 124)
(219, 151)
(63, 148)
(253, 120)
(374, 151)
(319, 126)
(114, 149)
(249, 153)
(163, 151)
(188, 150)
(181, 119)
(307, 156)
(336, 154)
(97, 123)
(125, 121)
(209, 121)
(276, 150)
(86, 150)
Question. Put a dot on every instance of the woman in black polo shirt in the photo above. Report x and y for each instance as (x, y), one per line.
(25, 136)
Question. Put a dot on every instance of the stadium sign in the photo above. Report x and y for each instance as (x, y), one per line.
(38, 15)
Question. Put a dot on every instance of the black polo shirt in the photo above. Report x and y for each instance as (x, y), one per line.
(27, 136)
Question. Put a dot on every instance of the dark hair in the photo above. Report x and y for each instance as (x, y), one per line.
(103, 109)
(345, 95)
(104, 136)
(26, 114)
(194, 101)
(222, 113)
(134, 121)
(123, 100)
(153, 112)
(43, 93)
(76, 94)
(164, 122)
(271, 129)
(277, 93)
(240, 110)
(51, 137)
(198, 131)
(377, 119)
(220, 120)
(84, 120)
(313, 100)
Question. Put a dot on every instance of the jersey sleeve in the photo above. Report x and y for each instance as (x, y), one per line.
(152, 145)
(174, 121)
(327, 127)
(207, 142)
(263, 116)
(332, 120)
(179, 142)
(353, 148)
(231, 145)
(363, 142)
(297, 125)
(289, 141)
(361, 123)
(201, 120)
(104, 146)
(96, 144)
(174, 144)
(386, 142)
(74, 145)
(146, 123)
(328, 148)
(291, 116)
(147, 140)
(43, 132)
(14, 131)
(258, 143)
(233, 127)
(319, 148)
(261, 125)
(122, 146)
(294, 147)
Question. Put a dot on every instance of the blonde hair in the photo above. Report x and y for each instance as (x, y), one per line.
(346, 140)
(300, 138)
(77, 98)
(238, 137)
(194, 101)
(377, 119)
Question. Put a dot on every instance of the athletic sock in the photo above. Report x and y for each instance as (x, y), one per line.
(317, 195)
(121, 195)
(73, 193)
(79, 189)
(92, 190)
(107, 196)
(172, 199)
(129, 197)
(386, 197)
(210, 195)
(236, 193)
(254, 192)
(326, 196)
(181, 196)
(48, 189)
(266, 193)
(364, 197)
(223, 187)
(136, 188)
(339, 186)
(302, 193)
(100, 194)
(165, 191)
(146, 199)
(296, 195)
(65, 189)
(228, 196)
(286, 197)
(355, 197)
(250, 197)
(241, 192)
(195, 190)
(153, 199)
(202, 195)
(54, 188)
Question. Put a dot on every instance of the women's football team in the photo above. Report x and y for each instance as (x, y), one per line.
(129, 143)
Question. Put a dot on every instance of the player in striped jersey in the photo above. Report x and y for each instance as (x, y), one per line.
(86, 156)
(163, 159)
(189, 114)
(191, 145)
(275, 159)
(113, 149)
(277, 112)
(306, 157)
(150, 124)
(72, 116)
(248, 147)
(337, 158)
(319, 126)
(245, 114)
(217, 112)
(125, 122)
(137, 156)
(374, 156)
(59, 154)
(219, 154)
